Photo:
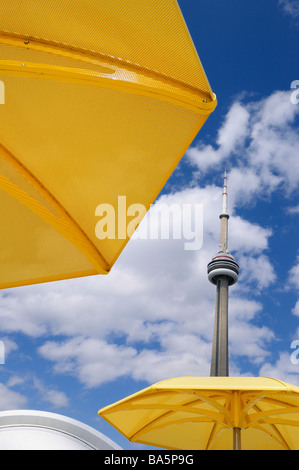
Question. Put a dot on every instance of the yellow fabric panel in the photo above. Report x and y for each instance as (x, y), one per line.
(124, 143)
(91, 115)
(8, 172)
(48, 255)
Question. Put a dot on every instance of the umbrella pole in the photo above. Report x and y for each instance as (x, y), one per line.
(237, 438)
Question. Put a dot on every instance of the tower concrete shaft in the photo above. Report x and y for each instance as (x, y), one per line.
(219, 362)
(223, 272)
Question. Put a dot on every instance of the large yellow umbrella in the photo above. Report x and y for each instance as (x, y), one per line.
(211, 413)
(99, 100)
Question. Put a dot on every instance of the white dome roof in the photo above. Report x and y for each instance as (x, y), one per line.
(38, 430)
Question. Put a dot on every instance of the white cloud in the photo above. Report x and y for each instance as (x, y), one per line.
(15, 380)
(234, 131)
(95, 361)
(293, 283)
(293, 210)
(56, 398)
(262, 142)
(11, 400)
(243, 182)
(153, 366)
(91, 360)
(257, 270)
(282, 369)
(255, 239)
(231, 137)
(291, 7)
(204, 157)
(9, 346)
(246, 338)
(293, 280)
(274, 142)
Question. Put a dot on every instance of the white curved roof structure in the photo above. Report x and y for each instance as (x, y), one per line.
(38, 430)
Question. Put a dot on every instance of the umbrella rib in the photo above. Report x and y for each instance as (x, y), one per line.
(265, 414)
(278, 402)
(153, 88)
(273, 423)
(216, 417)
(215, 431)
(90, 56)
(144, 82)
(65, 224)
(279, 438)
(120, 405)
(144, 429)
(152, 423)
(206, 398)
(287, 422)
(249, 405)
(212, 436)
(253, 404)
(173, 408)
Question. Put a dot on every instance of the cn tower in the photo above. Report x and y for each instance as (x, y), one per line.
(222, 272)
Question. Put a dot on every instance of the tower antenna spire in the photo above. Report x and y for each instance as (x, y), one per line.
(224, 194)
(224, 216)
(223, 272)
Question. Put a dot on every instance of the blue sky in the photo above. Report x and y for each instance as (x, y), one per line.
(75, 346)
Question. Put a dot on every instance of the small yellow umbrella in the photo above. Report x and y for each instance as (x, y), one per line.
(99, 100)
(211, 413)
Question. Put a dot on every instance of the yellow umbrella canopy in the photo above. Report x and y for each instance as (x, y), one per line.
(211, 413)
(99, 101)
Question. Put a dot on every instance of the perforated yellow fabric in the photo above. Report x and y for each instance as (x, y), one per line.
(150, 34)
(102, 99)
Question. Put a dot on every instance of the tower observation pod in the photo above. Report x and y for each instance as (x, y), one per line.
(223, 272)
